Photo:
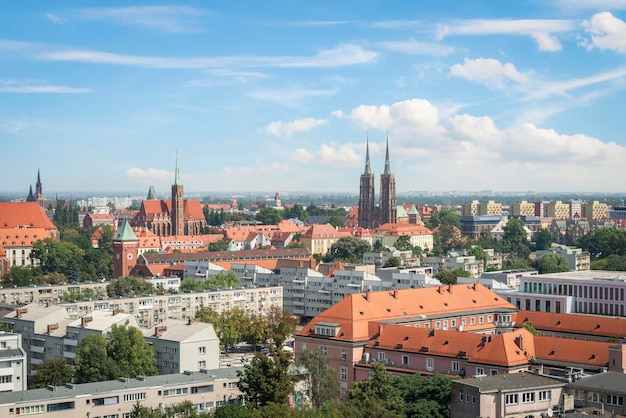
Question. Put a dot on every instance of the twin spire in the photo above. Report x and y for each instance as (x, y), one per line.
(177, 174)
(368, 168)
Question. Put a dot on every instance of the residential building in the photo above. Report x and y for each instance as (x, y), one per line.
(557, 209)
(577, 259)
(595, 210)
(498, 231)
(510, 278)
(522, 208)
(419, 236)
(455, 261)
(380, 258)
(505, 395)
(184, 346)
(206, 390)
(319, 238)
(470, 208)
(343, 330)
(593, 291)
(98, 219)
(473, 226)
(600, 392)
(13, 366)
(575, 208)
(490, 208)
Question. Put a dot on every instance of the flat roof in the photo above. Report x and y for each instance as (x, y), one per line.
(609, 382)
(510, 382)
(586, 275)
(110, 387)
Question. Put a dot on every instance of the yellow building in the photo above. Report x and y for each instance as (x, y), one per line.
(557, 210)
(595, 210)
(470, 208)
(490, 208)
(523, 208)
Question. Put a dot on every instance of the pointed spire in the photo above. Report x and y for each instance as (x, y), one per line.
(368, 169)
(387, 165)
(177, 175)
(38, 177)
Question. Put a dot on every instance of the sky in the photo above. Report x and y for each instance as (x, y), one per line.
(283, 95)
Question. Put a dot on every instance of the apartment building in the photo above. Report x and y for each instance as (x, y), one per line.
(184, 346)
(556, 209)
(595, 210)
(577, 259)
(522, 208)
(510, 278)
(454, 261)
(206, 390)
(470, 208)
(490, 208)
(419, 235)
(601, 392)
(592, 291)
(13, 366)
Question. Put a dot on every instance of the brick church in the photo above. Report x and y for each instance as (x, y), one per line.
(371, 215)
(175, 216)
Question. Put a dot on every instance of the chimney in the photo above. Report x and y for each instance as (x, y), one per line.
(449, 289)
(368, 296)
(118, 311)
(190, 321)
(20, 311)
(520, 341)
(395, 294)
(85, 320)
(50, 303)
(439, 290)
(159, 330)
(474, 286)
(52, 327)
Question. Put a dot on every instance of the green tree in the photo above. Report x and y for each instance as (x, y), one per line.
(615, 262)
(444, 216)
(129, 286)
(543, 239)
(403, 243)
(56, 256)
(552, 263)
(322, 379)
(445, 277)
(22, 276)
(53, 372)
(425, 396)
(378, 390)
(268, 216)
(515, 239)
(92, 364)
(295, 212)
(281, 324)
(268, 379)
(392, 262)
(235, 410)
(604, 242)
(336, 221)
(479, 253)
(220, 245)
(130, 352)
(528, 326)
(229, 325)
(349, 249)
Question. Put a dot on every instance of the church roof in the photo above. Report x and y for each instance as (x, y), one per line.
(24, 214)
(125, 233)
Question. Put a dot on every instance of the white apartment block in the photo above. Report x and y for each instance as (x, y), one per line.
(577, 259)
(454, 261)
(206, 390)
(184, 346)
(13, 366)
(592, 291)
(511, 278)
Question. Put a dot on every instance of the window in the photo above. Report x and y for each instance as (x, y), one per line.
(202, 389)
(615, 400)
(455, 366)
(381, 356)
(201, 350)
(430, 364)
(511, 399)
(481, 319)
(489, 319)
(6, 379)
(437, 325)
(463, 322)
(175, 392)
(472, 321)
(528, 397)
(460, 396)
(344, 354)
(453, 323)
(480, 371)
(134, 397)
(324, 350)
(61, 406)
(493, 372)
(34, 409)
(110, 400)
(545, 395)
(202, 364)
(303, 347)
(405, 360)
(343, 373)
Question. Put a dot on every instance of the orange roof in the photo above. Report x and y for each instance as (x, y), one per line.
(20, 214)
(318, 231)
(100, 216)
(500, 350)
(22, 237)
(286, 226)
(268, 264)
(592, 325)
(564, 350)
(2, 252)
(403, 229)
(356, 311)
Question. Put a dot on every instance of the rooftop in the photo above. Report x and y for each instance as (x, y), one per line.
(510, 382)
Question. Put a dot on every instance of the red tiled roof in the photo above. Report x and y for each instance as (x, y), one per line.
(403, 229)
(24, 214)
(100, 216)
(22, 237)
(593, 325)
(564, 350)
(319, 231)
(356, 311)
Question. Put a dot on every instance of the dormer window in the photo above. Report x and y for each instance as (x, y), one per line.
(327, 329)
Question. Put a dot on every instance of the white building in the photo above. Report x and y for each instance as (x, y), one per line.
(163, 283)
(13, 364)
(577, 259)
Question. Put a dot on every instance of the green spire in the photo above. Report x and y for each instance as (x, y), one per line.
(125, 233)
(177, 175)
(387, 165)
(368, 169)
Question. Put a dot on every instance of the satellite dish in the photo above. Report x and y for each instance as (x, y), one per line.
(550, 412)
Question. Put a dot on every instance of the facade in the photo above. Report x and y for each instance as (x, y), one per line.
(470, 208)
(500, 396)
(369, 215)
(454, 261)
(595, 210)
(522, 208)
(472, 226)
(389, 233)
(617, 213)
(576, 326)
(557, 209)
(577, 259)
(98, 219)
(593, 291)
(207, 390)
(319, 238)
(13, 369)
(125, 251)
(601, 392)
(184, 346)
(490, 208)
(342, 331)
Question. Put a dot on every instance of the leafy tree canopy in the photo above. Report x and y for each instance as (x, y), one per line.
(128, 285)
(268, 216)
(444, 216)
(552, 263)
(268, 379)
(53, 372)
(349, 249)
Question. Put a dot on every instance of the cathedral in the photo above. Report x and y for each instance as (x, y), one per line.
(175, 216)
(38, 195)
(371, 215)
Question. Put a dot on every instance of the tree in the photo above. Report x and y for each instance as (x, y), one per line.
(348, 248)
(128, 285)
(479, 253)
(92, 364)
(445, 277)
(404, 243)
(268, 216)
(268, 379)
(378, 390)
(281, 325)
(22, 276)
(543, 239)
(322, 379)
(220, 245)
(444, 216)
(552, 263)
(295, 212)
(604, 242)
(615, 262)
(229, 325)
(392, 262)
(335, 221)
(56, 256)
(425, 396)
(530, 328)
(130, 351)
(53, 373)
(515, 239)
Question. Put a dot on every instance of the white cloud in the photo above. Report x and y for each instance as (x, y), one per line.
(171, 19)
(488, 71)
(607, 32)
(286, 129)
(290, 97)
(37, 87)
(56, 19)
(592, 4)
(331, 155)
(149, 174)
(413, 47)
(541, 30)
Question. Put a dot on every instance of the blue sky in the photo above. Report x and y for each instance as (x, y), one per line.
(281, 95)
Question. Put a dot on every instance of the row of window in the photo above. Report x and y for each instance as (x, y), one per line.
(527, 397)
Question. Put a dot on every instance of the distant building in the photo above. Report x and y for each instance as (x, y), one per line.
(577, 259)
(490, 208)
(522, 208)
(595, 210)
(369, 214)
(13, 366)
(557, 209)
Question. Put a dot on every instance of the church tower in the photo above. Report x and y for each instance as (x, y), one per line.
(178, 205)
(366, 194)
(125, 251)
(388, 200)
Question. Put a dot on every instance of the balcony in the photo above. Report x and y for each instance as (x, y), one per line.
(36, 361)
(69, 341)
(69, 354)
(37, 349)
